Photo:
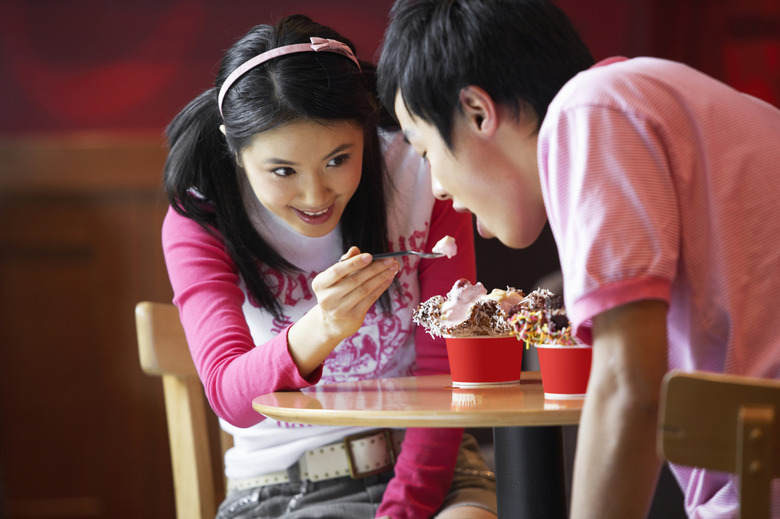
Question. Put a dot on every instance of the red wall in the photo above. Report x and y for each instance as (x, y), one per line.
(131, 65)
(93, 65)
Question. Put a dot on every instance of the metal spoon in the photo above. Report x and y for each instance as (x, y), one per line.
(424, 255)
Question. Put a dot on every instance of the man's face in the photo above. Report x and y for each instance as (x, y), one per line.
(495, 178)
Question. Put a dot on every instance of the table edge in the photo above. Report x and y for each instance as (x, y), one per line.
(452, 419)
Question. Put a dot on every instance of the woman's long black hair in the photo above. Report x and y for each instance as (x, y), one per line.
(320, 86)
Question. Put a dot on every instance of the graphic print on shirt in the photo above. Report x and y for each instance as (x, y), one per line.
(288, 289)
(373, 351)
(416, 241)
(384, 342)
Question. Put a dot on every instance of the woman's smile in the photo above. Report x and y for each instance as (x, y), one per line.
(315, 217)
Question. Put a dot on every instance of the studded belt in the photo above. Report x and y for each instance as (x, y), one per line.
(357, 456)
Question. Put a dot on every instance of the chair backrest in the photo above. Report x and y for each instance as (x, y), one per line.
(726, 423)
(197, 444)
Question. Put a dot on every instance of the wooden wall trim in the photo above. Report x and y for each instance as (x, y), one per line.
(82, 163)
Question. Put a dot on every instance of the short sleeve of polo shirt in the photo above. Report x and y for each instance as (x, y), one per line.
(610, 200)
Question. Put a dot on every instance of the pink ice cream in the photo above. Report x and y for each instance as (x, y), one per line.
(468, 310)
(446, 246)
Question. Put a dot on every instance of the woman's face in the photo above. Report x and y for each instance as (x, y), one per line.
(306, 171)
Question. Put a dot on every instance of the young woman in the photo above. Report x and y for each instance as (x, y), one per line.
(281, 188)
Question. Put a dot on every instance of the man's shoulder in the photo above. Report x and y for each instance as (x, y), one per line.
(638, 85)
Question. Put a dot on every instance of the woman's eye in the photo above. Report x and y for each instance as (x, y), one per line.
(283, 171)
(338, 161)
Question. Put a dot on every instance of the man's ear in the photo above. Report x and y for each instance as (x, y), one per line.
(479, 109)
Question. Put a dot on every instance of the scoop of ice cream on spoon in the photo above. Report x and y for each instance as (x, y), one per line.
(446, 246)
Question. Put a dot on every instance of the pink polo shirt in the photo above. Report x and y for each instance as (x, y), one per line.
(662, 183)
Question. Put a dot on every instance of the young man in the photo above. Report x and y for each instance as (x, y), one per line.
(660, 185)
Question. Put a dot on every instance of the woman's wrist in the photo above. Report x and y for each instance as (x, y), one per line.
(310, 340)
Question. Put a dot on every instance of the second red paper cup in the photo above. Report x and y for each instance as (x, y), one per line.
(565, 370)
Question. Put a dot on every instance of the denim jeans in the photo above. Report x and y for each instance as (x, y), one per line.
(346, 498)
(339, 498)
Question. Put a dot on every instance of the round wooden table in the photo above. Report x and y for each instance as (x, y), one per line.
(526, 426)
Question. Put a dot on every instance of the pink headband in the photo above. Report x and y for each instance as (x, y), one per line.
(316, 45)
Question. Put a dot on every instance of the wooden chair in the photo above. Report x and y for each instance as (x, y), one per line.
(197, 444)
(726, 423)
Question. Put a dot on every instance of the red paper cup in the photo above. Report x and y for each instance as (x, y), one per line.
(565, 370)
(481, 361)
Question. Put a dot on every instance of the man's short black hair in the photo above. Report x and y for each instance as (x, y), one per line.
(521, 52)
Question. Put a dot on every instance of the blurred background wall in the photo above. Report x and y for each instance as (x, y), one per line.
(86, 89)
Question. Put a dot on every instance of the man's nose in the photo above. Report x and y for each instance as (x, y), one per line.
(438, 191)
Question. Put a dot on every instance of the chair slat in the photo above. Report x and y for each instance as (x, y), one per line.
(196, 442)
(158, 323)
(726, 423)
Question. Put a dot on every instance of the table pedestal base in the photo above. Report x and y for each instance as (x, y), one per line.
(530, 478)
